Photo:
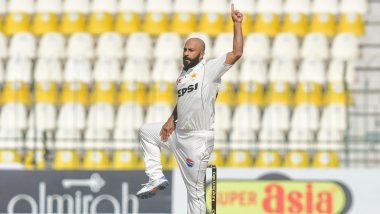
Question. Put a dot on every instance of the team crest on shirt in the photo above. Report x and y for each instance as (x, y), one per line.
(193, 75)
(189, 162)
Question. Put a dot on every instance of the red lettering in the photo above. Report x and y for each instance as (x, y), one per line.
(252, 198)
(309, 198)
(295, 202)
(274, 200)
(325, 203)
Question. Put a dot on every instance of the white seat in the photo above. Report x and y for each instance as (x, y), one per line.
(165, 70)
(21, 6)
(186, 6)
(338, 72)
(297, 6)
(80, 46)
(35, 139)
(305, 117)
(220, 140)
(52, 45)
(329, 139)
(79, 6)
(222, 117)
(242, 139)
(282, 71)
(345, 46)
(253, 71)
(246, 116)
(312, 70)
(43, 117)
(108, 6)
(285, 46)
(72, 116)
(48, 70)
(129, 116)
(53, 6)
(271, 139)
(11, 138)
(68, 139)
(136, 6)
(3, 7)
(223, 44)
(2, 72)
(276, 116)
(334, 117)
(269, 6)
(101, 116)
(315, 45)
(136, 70)
(206, 39)
(3, 46)
(325, 6)
(257, 47)
(23, 45)
(110, 45)
(13, 116)
(168, 46)
(162, 6)
(96, 139)
(107, 70)
(77, 70)
(158, 112)
(125, 139)
(353, 6)
(19, 70)
(139, 45)
(213, 6)
(300, 139)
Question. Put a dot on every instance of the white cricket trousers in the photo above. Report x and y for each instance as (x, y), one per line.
(192, 150)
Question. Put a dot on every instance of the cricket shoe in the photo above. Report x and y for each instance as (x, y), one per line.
(152, 187)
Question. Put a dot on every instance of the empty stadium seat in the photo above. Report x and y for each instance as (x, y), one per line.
(329, 142)
(158, 112)
(72, 116)
(185, 14)
(285, 47)
(296, 16)
(206, 39)
(22, 45)
(334, 117)
(46, 17)
(52, 45)
(247, 117)
(128, 19)
(276, 116)
(13, 116)
(101, 16)
(101, 116)
(326, 159)
(257, 47)
(110, 45)
(222, 117)
(247, 7)
(74, 16)
(96, 145)
(37, 144)
(226, 92)
(80, 46)
(345, 46)
(125, 145)
(222, 44)
(340, 71)
(10, 146)
(168, 46)
(324, 17)
(67, 145)
(270, 143)
(129, 116)
(300, 140)
(139, 45)
(241, 142)
(351, 17)
(43, 117)
(268, 17)
(18, 16)
(296, 159)
(156, 19)
(305, 116)
(315, 45)
(47, 77)
(212, 17)
(3, 46)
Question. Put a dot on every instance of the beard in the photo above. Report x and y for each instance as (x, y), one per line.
(189, 63)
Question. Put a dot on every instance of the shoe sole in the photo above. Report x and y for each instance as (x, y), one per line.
(153, 192)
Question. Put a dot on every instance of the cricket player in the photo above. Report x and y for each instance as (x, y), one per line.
(189, 132)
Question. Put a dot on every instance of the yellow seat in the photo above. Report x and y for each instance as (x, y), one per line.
(127, 23)
(66, 159)
(1, 24)
(45, 23)
(296, 159)
(335, 94)
(161, 92)
(46, 92)
(295, 23)
(351, 23)
(16, 92)
(267, 23)
(326, 159)
(100, 22)
(35, 159)
(211, 23)
(104, 92)
(217, 158)
(246, 25)
(156, 23)
(72, 22)
(96, 159)
(125, 159)
(310, 93)
(279, 93)
(132, 92)
(16, 23)
(74, 92)
(239, 158)
(226, 94)
(10, 156)
(251, 93)
(268, 159)
(323, 23)
(184, 23)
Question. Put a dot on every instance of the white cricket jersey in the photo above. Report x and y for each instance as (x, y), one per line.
(196, 91)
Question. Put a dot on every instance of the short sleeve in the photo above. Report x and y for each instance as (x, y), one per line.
(215, 68)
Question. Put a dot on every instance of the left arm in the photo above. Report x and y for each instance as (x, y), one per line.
(237, 51)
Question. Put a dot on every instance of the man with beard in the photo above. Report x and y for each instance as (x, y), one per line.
(188, 132)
